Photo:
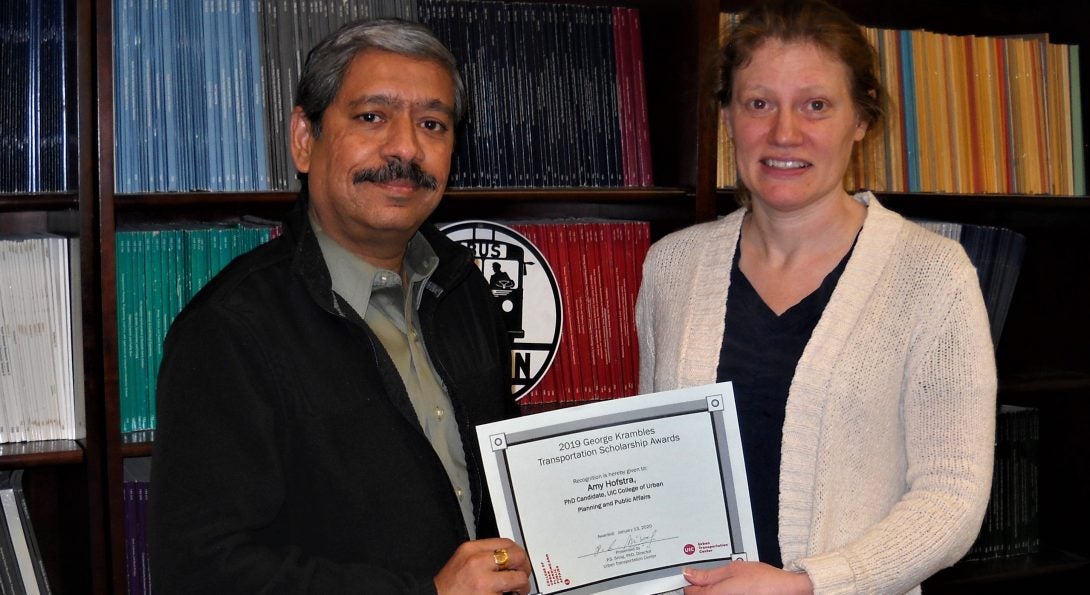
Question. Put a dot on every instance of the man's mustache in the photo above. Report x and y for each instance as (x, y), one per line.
(396, 169)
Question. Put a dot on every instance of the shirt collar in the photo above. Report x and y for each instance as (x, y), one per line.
(353, 278)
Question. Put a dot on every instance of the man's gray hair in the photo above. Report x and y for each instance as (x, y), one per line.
(327, 63)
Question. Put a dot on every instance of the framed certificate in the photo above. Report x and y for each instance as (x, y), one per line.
(617, 496)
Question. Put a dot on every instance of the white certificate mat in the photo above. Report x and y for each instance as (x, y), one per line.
(618, 496)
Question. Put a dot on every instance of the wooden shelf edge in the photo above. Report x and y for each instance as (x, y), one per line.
(566, 194)
(1028, 567)
(137, 444)
(136, 449)
(170, 200)
(987, 201)
(51, 201)
(983, 200)
(40, 453)
(1037, 383)
(167, 200)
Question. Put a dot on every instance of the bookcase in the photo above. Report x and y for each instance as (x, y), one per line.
(668, 205)
(76, 488)
(1042, 356)
(64, 479)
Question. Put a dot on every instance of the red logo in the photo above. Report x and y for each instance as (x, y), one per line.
(552, 574)
(689, 549)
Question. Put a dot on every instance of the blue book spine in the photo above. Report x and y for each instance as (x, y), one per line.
(908, 100)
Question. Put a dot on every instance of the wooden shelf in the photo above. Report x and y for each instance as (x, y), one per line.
(666, 208)
(38, 202)
(1046, 382)
(137, 444)
(1036, 572)
(136, 449)
(984, 209)
(15, 455)
(171, 200)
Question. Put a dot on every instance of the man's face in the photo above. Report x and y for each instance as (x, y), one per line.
(380, 164)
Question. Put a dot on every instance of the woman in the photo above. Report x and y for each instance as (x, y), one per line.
(857, 342)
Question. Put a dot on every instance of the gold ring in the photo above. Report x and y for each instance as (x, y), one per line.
(500, 558)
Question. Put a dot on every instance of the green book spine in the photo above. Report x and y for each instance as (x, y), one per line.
(147, 295)
(196, 258)
(1078, 153)
(123, 250)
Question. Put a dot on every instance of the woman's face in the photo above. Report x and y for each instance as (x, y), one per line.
(793, 123)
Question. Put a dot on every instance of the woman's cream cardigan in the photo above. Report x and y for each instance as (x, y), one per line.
(890, 423)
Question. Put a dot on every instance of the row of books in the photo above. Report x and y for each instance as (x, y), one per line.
(135, 490)
(1011, 524)
(134, 502)
(189, 106)
(204, 91)
(997, 254)
(41, 377)
(37, 124)
(598, 267)
(159, 269)
(967, 114)
(556, 93)
(22, 571)
(289, 28)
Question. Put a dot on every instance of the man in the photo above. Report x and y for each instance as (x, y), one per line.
(317, 400)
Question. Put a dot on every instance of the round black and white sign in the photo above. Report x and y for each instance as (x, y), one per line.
(526, 289)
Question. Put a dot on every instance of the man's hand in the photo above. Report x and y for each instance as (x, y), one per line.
(745, 577)
(472, 570)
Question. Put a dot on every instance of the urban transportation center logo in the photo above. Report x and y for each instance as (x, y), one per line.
(524, 285)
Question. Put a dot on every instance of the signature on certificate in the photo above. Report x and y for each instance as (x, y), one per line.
(632, 542)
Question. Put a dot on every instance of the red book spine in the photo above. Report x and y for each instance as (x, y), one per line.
(643, 128)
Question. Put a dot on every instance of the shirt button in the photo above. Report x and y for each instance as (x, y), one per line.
(458, 492)
(439, 413)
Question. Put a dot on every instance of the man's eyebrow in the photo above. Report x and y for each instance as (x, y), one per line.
(385, 100)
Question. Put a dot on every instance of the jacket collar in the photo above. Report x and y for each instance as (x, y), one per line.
(308, 263)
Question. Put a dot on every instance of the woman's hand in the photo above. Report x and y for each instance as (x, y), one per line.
(746, 577)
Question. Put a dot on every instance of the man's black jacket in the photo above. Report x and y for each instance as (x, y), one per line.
(288, 458)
